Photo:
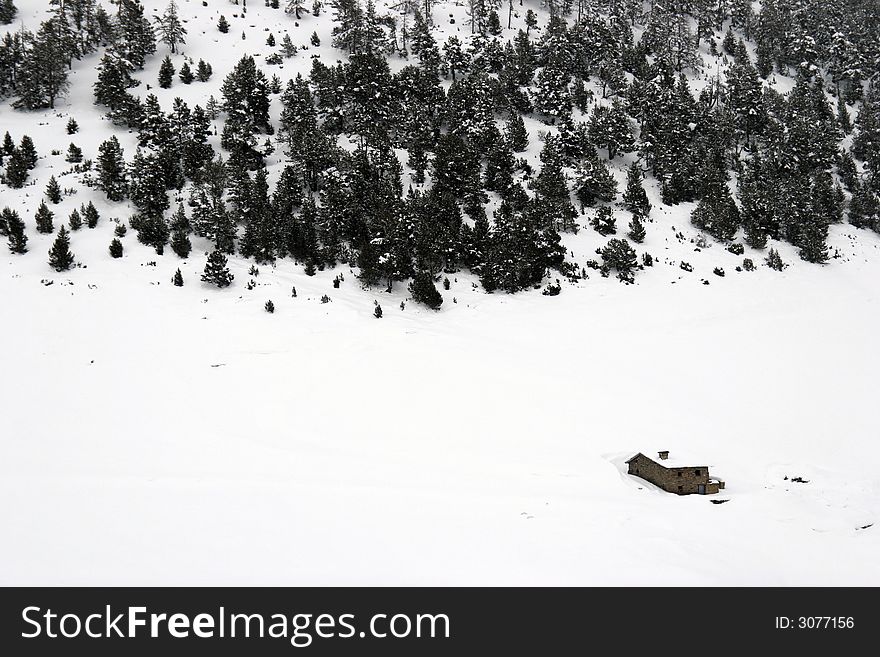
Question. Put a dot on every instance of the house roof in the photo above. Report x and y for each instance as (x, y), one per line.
(675, 460)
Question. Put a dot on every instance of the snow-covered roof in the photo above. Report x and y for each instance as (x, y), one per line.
(675, 460)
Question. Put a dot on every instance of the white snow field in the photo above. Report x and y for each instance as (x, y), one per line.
(155, 435)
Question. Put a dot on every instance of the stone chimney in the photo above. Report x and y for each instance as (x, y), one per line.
(663, 455)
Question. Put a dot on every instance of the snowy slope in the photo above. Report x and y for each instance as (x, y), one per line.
(160, 435)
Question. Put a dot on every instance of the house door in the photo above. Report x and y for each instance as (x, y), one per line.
(701, 489)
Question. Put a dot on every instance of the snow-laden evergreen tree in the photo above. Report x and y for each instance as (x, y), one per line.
(166, 72)
(716, 213)
(604, 222)
(552, 96)
(111, 88)
(74, 154)
(135, 39)
(609, 128)
(146, 184)
(634, 197)
(866, 142)
(551, 187)
(204, 71)
(111, 170)
(15, 232)
(864, 207)
(170, 27)
(7, 12)
(593, 182)
(186, 75)
(90, 214)
(60, 256)
(53, 191)
(115, 249)
(28, 151)
(180, 230)
(296, 7)
(246, 103)
(75, 220)
(455, 166)
(16, 169)
(424, 291)
(44, 219)
(43, 75)
(216, 270)
(636, 229)
(619, 256)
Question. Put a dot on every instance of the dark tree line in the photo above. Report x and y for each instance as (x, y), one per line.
(456, 108)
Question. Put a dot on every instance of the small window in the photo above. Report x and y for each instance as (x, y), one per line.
(697, 472)
(679, 473)
(679, 488)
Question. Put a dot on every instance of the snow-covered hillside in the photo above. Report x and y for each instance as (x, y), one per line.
(154, 434)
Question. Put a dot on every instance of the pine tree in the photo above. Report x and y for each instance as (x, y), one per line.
(44, 219)
(186, 74)
(111, 170)
(204, 71)
(269, 306)
(180, 230)
(60, 256)
(424, 291)
(177, 279)
(16, 169)
(43, 74)
(295, 7)
(603, 221)
(636, 229)
(812, 239)
(171, 30)
(634, 198)
(270, 40)
(223, 24)
(717, 214)
(516, 133)
(28, 151)
(8, 144)
(91, 215)
(166, 72)
(53, 191)
(287, 47)
(111, 88)
(593, 182)
(843, 119)
(216, 270)
(15, 232)
(146, 186)
(7, 12)
(774, 260)
(74, 154)
(609, 128)
(552, 96)
(72, 126)
(136, 39)
(618, 255)
(75, 220)
(116, 248)
(864, 208)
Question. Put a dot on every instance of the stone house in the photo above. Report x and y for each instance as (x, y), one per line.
(674, 477)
